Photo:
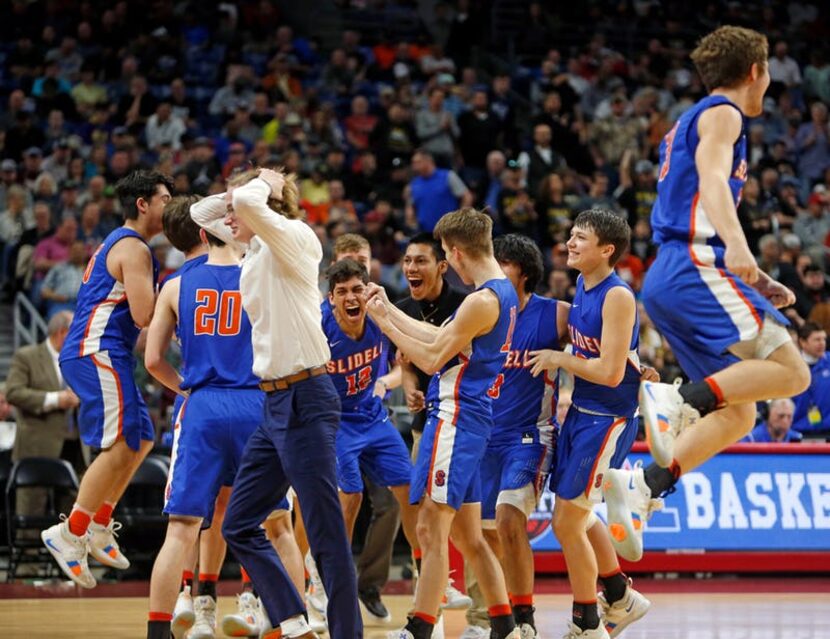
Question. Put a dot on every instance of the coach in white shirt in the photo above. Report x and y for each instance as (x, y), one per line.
(295, 443)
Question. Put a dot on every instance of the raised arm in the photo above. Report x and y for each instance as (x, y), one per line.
(476, 315)
(159, 335)
(719, 128)
(423, 331)
(618, 314)
(209, 213)
(290, 241)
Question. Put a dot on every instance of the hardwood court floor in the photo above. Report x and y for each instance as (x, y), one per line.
(672, 616)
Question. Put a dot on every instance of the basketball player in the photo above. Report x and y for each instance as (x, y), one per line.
(601, 424)
(367, 442)
(465, 354)
(115, 301)
(705, 292)
(295, 444)
(520, 450)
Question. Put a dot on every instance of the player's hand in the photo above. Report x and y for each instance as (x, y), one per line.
(741, 262)
(649, 374)
(67, 399)
(275, 180)
(377, 310)
(376, 291)
(415, 401)
(778, 294)
(545, 360)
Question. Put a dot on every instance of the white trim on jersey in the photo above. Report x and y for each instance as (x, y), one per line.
(111, 398)
(593, 492)
(448, 385)
(174, 451)
(442, 448)
(99, 318)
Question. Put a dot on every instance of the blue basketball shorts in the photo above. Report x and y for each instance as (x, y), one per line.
(447, 468)
(376, 449)
(111, 403)
(587, 447)
(511, 465)
(214, 425)
(703, 309)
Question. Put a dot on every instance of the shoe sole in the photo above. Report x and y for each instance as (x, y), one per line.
(373, 617)
(234, 627)
(182, 623)
(629, 620)
(458, 605)
(620, 526)
(654, 437)
(64, 566)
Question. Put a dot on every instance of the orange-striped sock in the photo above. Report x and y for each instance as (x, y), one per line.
(78, 521)
(502, 622)
(207, 585)
(187, 579)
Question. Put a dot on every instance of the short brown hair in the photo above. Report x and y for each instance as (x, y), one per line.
(178, 226)
(724, 57)
(344, 270)
(289, 205)
(467, 228)
(609, 228)
(350, 243)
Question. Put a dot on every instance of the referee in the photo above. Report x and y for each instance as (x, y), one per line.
(295, 443)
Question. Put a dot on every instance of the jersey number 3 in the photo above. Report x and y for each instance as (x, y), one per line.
(217, 314)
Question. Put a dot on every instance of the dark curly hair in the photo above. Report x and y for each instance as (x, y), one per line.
(523, 251)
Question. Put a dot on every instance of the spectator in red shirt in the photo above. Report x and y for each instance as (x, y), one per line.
(360, 124)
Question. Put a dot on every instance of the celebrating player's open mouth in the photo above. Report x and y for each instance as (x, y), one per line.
(415, 283)
(353, 310)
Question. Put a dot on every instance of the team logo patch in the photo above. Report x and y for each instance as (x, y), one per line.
(440, 478)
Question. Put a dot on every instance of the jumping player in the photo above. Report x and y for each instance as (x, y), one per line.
(115, 301)
(519, 453)
(705, 292)
(367, 442)
(601, 424)
(465, 354)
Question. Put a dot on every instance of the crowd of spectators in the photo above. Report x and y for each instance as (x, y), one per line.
(389, 126)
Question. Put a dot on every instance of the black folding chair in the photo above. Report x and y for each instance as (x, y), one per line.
(56, 478)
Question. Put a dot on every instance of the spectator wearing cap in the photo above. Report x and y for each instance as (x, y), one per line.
(69, 206)
(777, 429)
(636, 196)
(479, 132)
(812, 407)
(436, 128)
(57, 164)
(812, 145)
(433, 192)
(164, 128)
(237, 157)
(111, 217)
(812, 226)
(613, 134)
(32, 166)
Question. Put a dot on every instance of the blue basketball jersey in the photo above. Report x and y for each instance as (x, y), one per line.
(678, 213)
(184, 268)
(459, 389)
(355, 366)
(102, 314)
(214, 329)
(521, 401)
(585, 328)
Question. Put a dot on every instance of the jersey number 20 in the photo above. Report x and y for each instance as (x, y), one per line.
(217, 314)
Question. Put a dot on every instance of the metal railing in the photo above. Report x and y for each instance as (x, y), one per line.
(29, 325)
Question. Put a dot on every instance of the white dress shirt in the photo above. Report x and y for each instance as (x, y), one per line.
(278, 281)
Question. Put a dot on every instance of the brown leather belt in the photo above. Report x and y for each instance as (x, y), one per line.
(271, 385)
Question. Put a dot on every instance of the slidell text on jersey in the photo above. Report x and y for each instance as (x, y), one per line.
(353, 361)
